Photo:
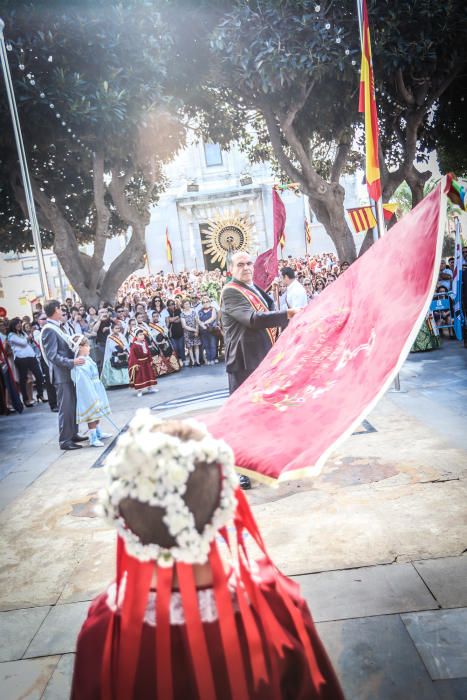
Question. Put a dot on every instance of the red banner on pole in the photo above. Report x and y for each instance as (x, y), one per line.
(266, 265)
(338, 356)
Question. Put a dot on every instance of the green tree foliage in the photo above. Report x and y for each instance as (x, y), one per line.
(289, 70)
(90, 82)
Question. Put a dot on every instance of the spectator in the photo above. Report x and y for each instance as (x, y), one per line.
(209, 330)
(140, 365)
(191, 332)
(445, 276)
(175, 328)
(320, 285)
(295, 294)
(51, 392)
(115, 365)
(25, 360)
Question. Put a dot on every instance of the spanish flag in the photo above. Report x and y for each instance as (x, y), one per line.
(307, 232)
(367, 104)
(168, 246)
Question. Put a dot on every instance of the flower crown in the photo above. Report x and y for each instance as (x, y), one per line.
(76, 341)
(153, 467)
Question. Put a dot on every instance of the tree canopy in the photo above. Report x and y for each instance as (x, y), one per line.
(289, 69)
(105, 91)
(97, 120)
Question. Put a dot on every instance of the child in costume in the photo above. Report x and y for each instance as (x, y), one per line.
(140, 365)
(179, 623)
(91, 400)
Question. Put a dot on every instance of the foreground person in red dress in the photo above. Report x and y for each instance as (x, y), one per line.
(141, 366)
(180, 623)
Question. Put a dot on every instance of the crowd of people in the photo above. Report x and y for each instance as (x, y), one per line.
(165, 321)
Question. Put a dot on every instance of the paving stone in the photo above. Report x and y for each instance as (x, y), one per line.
(441, 640)
(375, 659)
(454, 689)
(59, 686)
(17, 628)
(26, 679)
(58, 633)
(446, 578)
(373, 590)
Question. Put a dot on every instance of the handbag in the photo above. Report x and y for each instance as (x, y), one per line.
(119, 359)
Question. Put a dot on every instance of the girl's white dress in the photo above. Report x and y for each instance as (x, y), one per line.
(91, 400)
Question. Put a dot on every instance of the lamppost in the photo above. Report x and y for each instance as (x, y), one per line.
(36, 235)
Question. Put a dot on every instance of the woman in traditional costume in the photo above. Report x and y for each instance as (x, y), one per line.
(166, 360)
(428, 336)
(92, 403)
(188, 618)
(140, 365)
(115, 367)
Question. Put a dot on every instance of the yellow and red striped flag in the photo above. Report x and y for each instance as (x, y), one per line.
(168, 246)
(367, 104)
(362, 218)
(307, 231)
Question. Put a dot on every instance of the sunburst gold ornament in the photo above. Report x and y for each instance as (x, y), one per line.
(227, 234)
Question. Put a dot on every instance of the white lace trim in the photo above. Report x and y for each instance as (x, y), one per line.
(206, 604)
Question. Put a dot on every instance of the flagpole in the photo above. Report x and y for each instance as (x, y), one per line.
(36, 235)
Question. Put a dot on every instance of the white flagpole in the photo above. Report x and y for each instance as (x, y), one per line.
(36, 236)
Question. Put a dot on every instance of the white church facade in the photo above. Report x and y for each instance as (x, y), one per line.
(210, 188)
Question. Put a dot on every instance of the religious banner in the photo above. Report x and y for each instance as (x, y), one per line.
(266, 265)
(338, 356)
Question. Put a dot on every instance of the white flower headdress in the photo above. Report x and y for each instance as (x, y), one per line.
(76, 341)
(153, 467)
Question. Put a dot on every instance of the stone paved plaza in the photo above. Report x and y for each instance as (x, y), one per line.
(378, 541)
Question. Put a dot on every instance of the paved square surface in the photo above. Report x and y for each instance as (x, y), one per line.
(377, 540)
(441, 640)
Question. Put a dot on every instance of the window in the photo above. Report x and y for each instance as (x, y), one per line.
(29, 265)
(212, 154)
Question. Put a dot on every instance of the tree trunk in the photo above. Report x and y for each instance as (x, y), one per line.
(329, 211)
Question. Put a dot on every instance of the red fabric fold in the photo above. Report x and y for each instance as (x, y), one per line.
(228, 628)
(195, 633)
(164, 680)
(257, 652)
(138, 582)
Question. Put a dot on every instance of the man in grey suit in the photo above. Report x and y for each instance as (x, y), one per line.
(60, 360)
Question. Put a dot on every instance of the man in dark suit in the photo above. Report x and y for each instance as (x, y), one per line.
(60, 361)
(250, 325)
(249, 322)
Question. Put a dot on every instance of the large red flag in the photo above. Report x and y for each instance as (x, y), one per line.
(266, 265)
(339, 355)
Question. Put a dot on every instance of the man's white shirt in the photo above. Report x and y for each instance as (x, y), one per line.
(295, 296)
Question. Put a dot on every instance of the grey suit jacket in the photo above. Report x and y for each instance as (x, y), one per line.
(59, 357)
(246, 340)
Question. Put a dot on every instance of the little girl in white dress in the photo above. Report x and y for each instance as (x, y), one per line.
(92, 403)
